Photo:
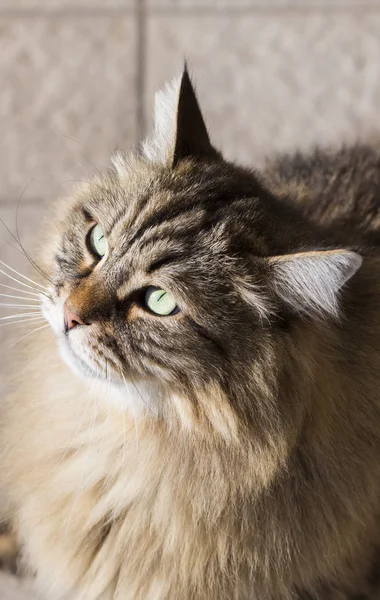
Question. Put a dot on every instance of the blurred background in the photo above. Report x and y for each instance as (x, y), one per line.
(77, 80)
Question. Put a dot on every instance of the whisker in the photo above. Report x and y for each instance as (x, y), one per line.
(18, 240)
(34, 313)
(22, 321)
(19, 305)
(28, 314)
(9, 243)
(22, 283)
(23, 276)
(107, 191)
(9, 287)
(21, 249)
(83, 155)
(30, 333)
(144, 401)
(18, 297)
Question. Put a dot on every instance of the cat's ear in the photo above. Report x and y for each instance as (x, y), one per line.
(179, 128)
(191, 136)
(310, 282)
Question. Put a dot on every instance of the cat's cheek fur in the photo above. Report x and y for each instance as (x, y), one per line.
(53, 313)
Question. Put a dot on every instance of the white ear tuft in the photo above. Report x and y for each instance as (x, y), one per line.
(255, 297)
(310, 282)
(160, 145)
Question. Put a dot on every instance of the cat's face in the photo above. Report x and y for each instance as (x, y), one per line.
(174, 268)
(150, 265)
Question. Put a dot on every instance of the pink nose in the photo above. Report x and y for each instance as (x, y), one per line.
(71, 318)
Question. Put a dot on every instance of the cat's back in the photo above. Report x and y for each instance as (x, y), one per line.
(338, 189)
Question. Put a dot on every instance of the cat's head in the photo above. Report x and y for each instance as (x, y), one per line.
(178, 271)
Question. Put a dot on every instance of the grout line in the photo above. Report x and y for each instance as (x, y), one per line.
(178, 10)
(263, 7)
(140, 67)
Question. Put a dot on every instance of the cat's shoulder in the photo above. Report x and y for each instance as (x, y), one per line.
(332, 186)
(348, 163)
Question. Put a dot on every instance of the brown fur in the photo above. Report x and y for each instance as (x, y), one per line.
(253, 471)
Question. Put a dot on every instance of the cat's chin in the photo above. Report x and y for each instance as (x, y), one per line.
(75, 362)
(136, 397)
(71, 349)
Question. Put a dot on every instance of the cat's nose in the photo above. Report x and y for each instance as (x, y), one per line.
(71, 318)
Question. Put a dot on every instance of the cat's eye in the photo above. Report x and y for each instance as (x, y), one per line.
(160, 302)
(97, 241)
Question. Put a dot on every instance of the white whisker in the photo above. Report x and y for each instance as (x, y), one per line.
(20, 282)
(19, 325)
(28, 314)
(23, 276)
(19, 305)
(19, 298)
(26, 320)
(9, 287)
(30, 333)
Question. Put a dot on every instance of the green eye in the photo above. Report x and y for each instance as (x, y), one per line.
(97, 241)
(160, 302)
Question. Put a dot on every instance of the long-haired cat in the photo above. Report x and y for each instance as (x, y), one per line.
(206, 423)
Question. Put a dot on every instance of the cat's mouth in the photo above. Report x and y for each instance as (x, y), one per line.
(78, 345)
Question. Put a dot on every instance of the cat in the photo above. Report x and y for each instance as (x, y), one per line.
(201, 418)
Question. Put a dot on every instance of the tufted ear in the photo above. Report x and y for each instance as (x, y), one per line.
(179, 129)
(310, 282)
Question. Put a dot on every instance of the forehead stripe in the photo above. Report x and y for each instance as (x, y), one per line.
(207, 207)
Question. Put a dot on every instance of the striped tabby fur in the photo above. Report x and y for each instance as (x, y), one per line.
(229, 451)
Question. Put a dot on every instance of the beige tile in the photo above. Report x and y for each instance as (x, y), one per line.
(274, 81)
(29, 219)
(54, 5)
(61, 79)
